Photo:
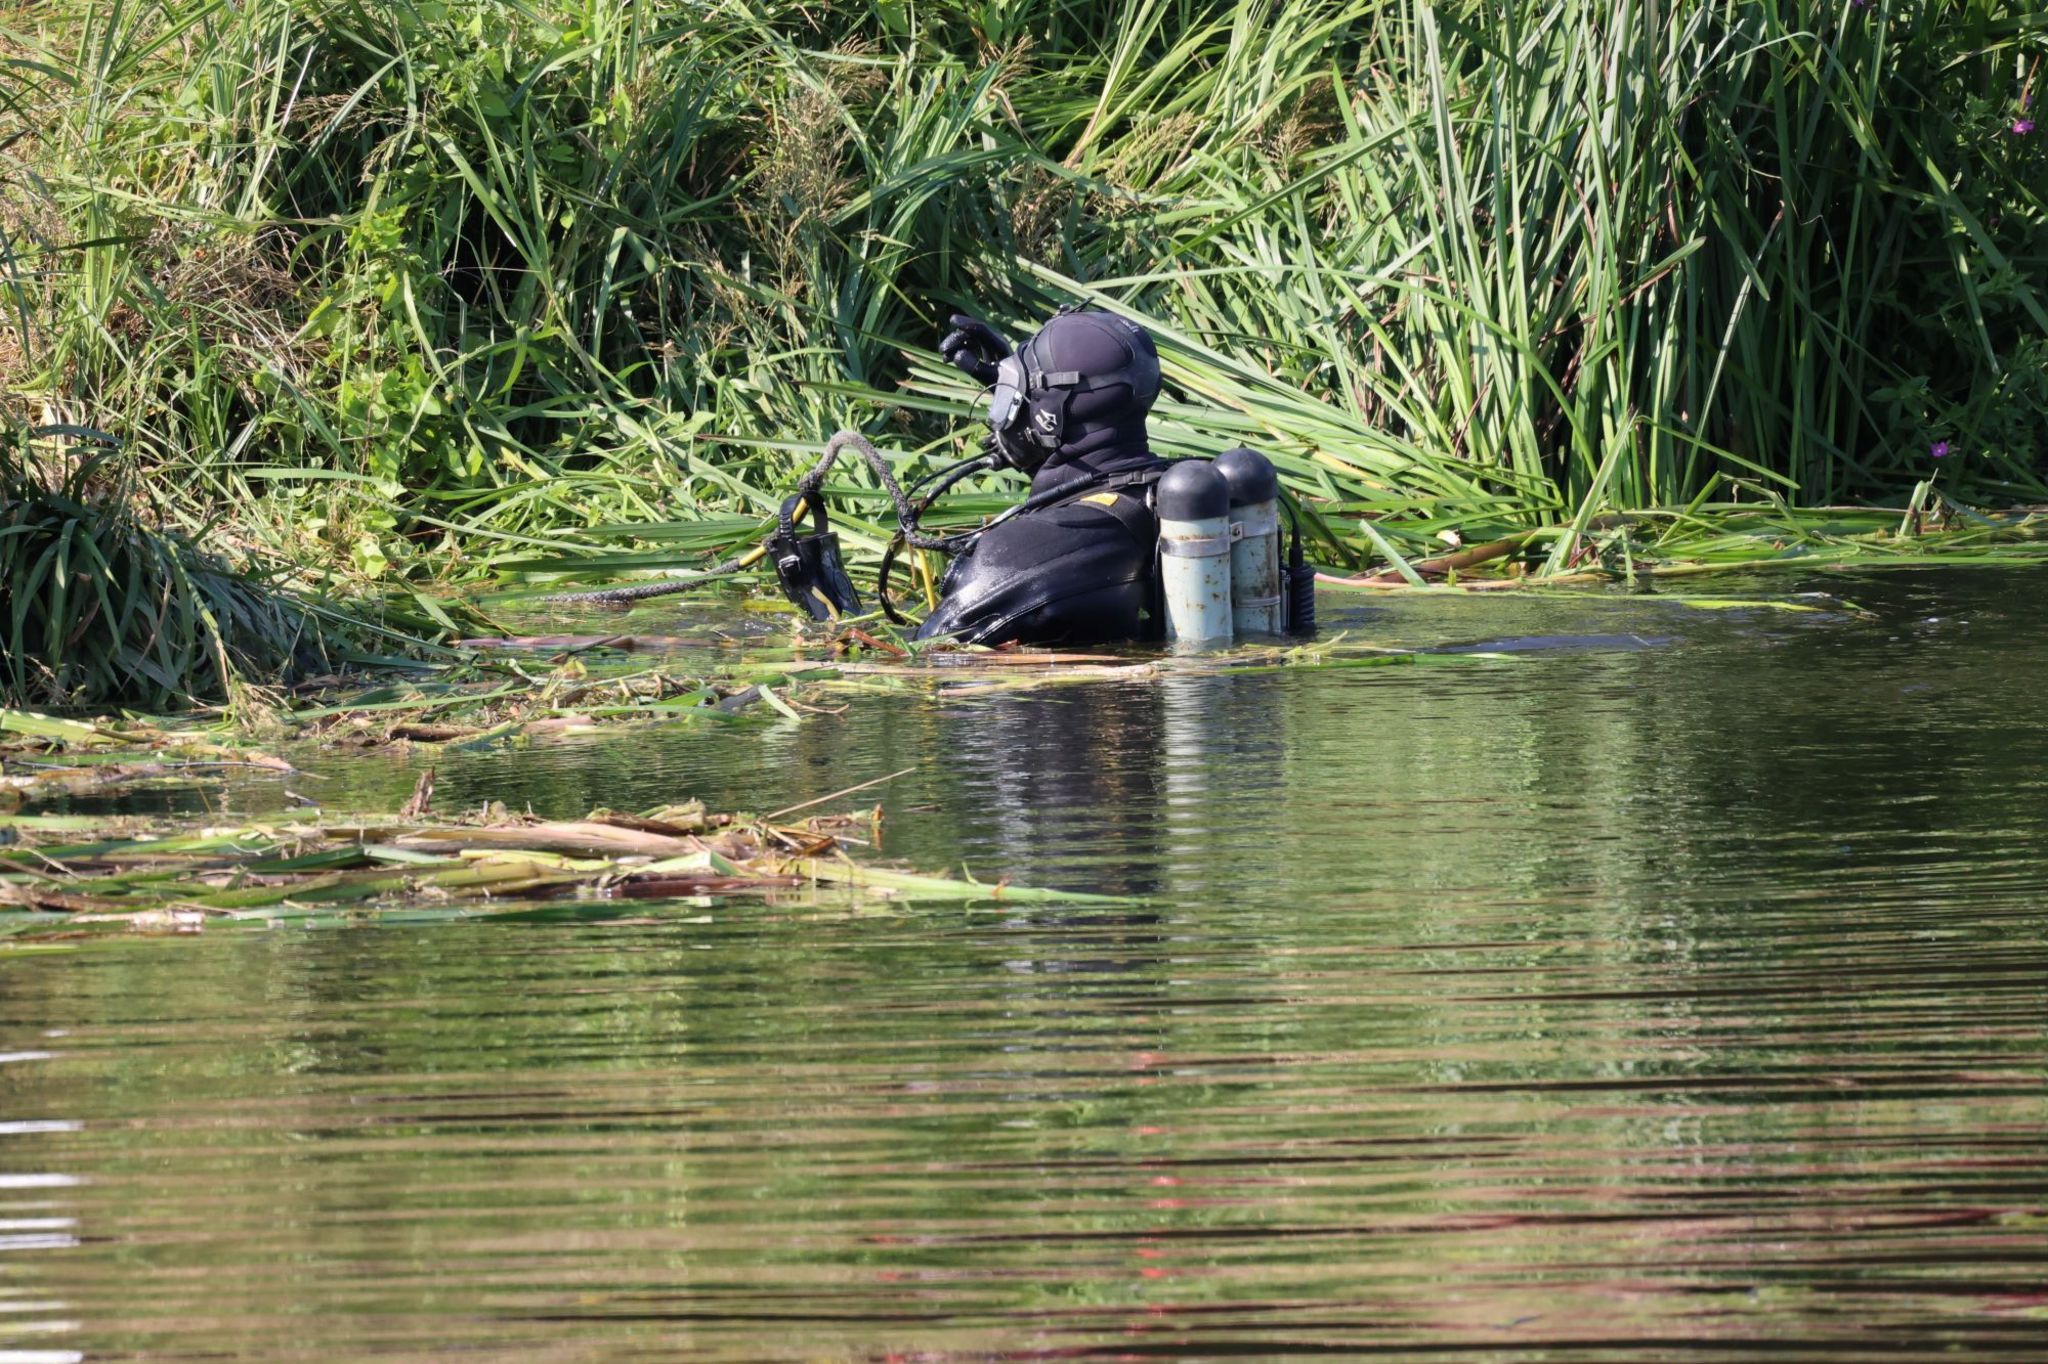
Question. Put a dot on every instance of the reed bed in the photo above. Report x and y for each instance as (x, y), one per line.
(416, 290)
(102, 606)
(101, 610)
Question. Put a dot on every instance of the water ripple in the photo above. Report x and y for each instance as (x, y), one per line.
(1673, 1002)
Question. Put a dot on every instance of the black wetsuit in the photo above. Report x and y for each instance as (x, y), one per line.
(1079, 571)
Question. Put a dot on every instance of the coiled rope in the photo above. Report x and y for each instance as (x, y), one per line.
(907, 514)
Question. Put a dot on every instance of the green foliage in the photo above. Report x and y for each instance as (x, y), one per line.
(98, 610)
(386, 279)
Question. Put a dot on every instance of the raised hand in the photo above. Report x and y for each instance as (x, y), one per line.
(973, 347)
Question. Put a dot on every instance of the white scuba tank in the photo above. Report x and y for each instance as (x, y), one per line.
(1193, 503)
(1257, 603)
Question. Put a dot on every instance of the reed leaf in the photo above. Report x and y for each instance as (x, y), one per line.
(518, 275)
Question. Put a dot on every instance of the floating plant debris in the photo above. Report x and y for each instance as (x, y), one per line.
(67, 875)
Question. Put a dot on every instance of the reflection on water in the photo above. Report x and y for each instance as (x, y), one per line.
(1679, 999)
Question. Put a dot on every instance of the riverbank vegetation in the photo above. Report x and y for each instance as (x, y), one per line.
(101, 610)
(102, 606)
(422, 291)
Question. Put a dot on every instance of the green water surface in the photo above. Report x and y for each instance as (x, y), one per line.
(1674, 987)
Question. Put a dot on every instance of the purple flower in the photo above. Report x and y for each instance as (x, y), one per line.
(1939, 449)
(2022, 126)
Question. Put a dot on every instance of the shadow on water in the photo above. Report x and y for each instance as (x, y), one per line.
(1676, 988)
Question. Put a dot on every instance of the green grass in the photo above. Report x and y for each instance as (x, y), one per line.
(400, 290)
(98, 610)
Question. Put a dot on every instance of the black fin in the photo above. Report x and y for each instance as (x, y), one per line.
(808, 566)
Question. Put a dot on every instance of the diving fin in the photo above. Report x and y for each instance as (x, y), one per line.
(808, 566)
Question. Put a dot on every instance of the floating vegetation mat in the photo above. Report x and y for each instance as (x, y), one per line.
(63, 875)
(527, 687)
(67, 876)
(585, 687)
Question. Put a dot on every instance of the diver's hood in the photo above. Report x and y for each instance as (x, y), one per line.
(1077, 393)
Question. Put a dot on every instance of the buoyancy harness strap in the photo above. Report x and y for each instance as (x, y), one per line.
(1134, 510)
(1060, 494)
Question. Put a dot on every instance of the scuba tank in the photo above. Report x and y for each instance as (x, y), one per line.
(1220, 569)
(1193, 505)
(1257, 602)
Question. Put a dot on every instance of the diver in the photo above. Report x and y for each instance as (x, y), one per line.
(1113, 543)
(1068, 408)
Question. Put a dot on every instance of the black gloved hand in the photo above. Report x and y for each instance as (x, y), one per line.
(973, 347)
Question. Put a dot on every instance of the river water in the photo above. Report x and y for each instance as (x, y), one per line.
(1673, 986)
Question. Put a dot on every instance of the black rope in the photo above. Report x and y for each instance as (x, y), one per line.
(907, 514)
(642, 591)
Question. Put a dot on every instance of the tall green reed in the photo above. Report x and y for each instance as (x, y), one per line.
(97, 609)
(401, 282)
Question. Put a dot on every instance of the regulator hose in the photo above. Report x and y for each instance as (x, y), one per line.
(940, 484)
(1301, 579)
